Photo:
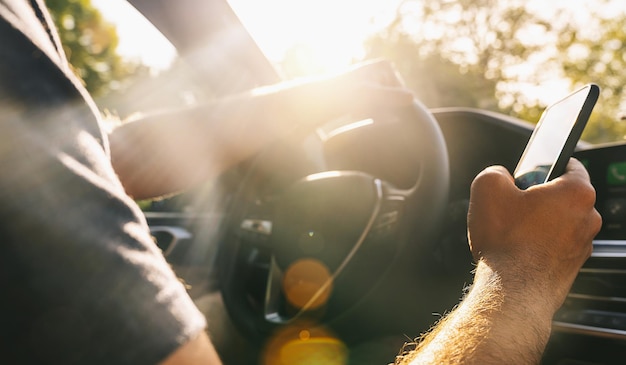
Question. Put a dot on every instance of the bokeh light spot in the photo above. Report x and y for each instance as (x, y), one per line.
(307, 280)
(305, 335)
(312, 242)
(305, 344)
(322, 350)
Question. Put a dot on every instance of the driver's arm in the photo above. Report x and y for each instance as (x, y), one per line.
(198, 350)
(529, 246)
(170, 151)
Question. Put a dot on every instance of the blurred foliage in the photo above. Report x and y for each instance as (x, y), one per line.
(596, 54)
(90, 44)
(501, 55)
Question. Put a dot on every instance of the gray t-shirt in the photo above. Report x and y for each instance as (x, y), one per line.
(81, 281)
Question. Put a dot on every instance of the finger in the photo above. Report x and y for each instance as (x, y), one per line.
(577, 169)
(492, 179)
(497, 171)
(575, 172)
(501, 170)
(575, 183)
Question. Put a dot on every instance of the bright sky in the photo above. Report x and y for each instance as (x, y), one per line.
(332, 30)
(335, 42)
(138, 38)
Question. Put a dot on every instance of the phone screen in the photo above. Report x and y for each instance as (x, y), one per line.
(553, 141)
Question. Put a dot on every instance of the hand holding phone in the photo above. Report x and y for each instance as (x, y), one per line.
(555, 137)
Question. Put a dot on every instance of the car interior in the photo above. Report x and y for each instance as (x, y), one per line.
(380, 199)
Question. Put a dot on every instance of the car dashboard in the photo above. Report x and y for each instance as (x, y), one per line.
(590, 328)
(591, 325)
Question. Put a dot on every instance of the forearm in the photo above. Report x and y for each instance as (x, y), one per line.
(170, 151)
(530, 246)
(498, 322)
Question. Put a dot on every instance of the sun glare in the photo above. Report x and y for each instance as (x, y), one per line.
(139, 39)
(299, 36)
(313, 36)
(306, 37)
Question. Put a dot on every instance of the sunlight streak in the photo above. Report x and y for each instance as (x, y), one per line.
(154, 50)
(313, 36)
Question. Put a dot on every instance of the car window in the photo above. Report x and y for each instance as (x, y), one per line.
(508, 56)
(518, 59)
(139, 39)
(309, 37)
(158, 79)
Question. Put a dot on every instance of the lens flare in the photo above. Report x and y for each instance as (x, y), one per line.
(307, 283)
(305, 344)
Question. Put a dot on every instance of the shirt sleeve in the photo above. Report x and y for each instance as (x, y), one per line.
(81, 279)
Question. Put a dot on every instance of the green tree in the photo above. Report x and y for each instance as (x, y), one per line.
(435, 80)
(490, 53)
(469, 45)
(595, 53)
(90, 43)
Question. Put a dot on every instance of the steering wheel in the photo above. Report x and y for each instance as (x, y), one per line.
(330, 239)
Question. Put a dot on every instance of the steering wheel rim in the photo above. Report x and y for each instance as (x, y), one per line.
(422, 203)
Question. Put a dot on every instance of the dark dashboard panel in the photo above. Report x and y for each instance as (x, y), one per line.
(477, 139)
(607, 170)
(590, 328)
(368, 149)
(591, 325)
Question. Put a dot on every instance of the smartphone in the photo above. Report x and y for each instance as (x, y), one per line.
(555, 137)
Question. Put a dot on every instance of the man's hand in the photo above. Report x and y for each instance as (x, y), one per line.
(359, 89)
(537, 238)
(529, 245)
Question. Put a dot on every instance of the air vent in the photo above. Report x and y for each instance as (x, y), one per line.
(167, 237)
(596, 304)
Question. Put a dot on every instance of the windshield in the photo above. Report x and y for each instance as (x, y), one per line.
(308, 37)
(144, 74)
(139, 40)
(514, 57)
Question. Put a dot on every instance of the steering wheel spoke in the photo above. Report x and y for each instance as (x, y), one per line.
(273, 295)
(255, 231)
(333, 241)
(388, 219)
